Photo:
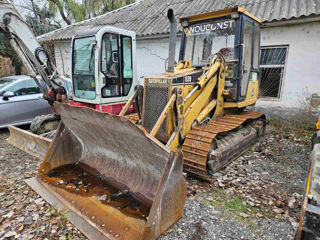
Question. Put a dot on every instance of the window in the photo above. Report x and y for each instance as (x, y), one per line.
(204, 39)
(4, 82)
(256, 46)
(110, 65)
(247, 51)
(27, 87)
(272, 67)
(83, 68)
(116, 65)
(126, 43)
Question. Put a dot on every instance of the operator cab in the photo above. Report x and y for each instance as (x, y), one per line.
(234, 33)
(103, 65)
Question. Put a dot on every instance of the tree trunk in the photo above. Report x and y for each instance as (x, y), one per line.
(60, 7)
(106, 7)
(34, 9)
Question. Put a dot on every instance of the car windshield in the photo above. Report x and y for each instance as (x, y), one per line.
(210, 37)
(83, 68)
(4, 82)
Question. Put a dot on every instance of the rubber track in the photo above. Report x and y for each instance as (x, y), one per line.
(197, 144)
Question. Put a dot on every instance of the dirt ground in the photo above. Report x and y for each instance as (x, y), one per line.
(258, 196)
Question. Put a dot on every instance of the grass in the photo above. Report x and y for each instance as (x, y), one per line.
(292, 128)
(232, 206)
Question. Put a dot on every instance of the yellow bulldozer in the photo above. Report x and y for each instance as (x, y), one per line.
(120, 176)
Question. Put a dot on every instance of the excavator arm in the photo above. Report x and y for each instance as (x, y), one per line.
(34, 57)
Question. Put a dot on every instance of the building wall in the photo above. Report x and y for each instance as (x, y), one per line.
(62, 52)
(152, 55)
(300, 81)
(301, 78)
(6, 67)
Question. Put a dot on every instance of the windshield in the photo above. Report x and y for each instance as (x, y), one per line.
(83, 68)
(4, 82)
(204, 39)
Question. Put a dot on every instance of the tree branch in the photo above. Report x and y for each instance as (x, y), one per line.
(60, 8)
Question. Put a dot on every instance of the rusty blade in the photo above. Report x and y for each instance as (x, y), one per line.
(33, 144)
(121, 152)
(117, 156)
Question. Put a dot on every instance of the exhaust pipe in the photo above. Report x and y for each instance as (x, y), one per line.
(172, 41)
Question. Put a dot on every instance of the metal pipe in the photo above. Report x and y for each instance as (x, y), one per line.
(204, 113)
(172, 41)
(190, 93)
(125, 108)
(163, 116)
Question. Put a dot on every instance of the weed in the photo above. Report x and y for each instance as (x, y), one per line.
(300, 129)
(232, 206)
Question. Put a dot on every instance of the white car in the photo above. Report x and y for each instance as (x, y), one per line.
(21, 100)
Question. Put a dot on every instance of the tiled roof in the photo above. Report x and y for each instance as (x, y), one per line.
(148, 17)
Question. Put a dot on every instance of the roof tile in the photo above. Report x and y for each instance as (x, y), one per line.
(148, 17)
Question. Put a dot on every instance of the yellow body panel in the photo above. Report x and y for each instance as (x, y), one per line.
(251, 98)
(318, 124)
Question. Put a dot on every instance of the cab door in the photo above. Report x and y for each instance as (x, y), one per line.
(116, 65)
(250, 54)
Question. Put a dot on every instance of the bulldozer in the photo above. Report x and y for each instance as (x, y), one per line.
(198, 105)
(121, 176)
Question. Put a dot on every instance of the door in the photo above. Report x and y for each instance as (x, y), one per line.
(110, 66)
(116, 65)
(247, 55)
(25, 105)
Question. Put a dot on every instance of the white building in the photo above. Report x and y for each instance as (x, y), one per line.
(290, 43)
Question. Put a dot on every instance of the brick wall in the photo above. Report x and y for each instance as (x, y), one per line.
(6, 67)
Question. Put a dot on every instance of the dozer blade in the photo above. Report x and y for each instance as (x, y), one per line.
(114, 179)
(33, 144)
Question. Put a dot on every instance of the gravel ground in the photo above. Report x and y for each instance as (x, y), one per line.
(258, 196)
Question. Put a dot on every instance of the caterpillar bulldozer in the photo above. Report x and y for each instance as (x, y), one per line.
(198, 105)
(120, 176)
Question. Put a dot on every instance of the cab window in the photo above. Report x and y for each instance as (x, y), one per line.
(126, 43)
(83, 68)
(110, 65)
(204, 39)
(247, 56)
(256, 46)
(116, 65)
